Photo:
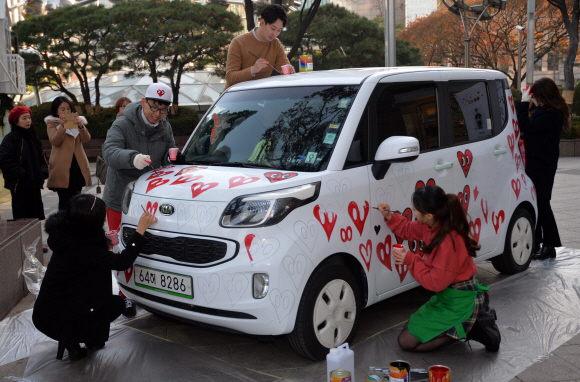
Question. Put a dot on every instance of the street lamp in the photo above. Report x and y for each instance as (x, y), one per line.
(519, 79)
(473, 12)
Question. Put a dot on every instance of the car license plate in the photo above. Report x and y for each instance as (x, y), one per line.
(163, 281)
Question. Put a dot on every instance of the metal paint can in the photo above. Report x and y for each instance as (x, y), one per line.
(305, 62)
(439, 373)
(399, 371)
(340, 376)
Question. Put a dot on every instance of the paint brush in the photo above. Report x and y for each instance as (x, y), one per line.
(268, 64)
(395, 211)
(143, 209)
(153, 168)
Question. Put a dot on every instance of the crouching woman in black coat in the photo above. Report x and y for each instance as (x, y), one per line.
(76, 302)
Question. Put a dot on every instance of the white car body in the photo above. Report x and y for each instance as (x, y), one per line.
(488, 174)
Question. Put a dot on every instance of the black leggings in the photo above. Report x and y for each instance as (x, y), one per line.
(546, 229)
(64, 195)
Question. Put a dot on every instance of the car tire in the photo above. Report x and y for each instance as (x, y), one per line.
(519, 244)
(332, 299)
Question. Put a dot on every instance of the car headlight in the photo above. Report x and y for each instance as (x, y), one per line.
(126, 199)
(267, 208)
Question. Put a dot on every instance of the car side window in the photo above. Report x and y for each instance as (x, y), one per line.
(409, 109)
(358, 153)
(499, 84)
(469, 111)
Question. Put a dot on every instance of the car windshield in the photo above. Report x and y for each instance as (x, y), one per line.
(288, 129)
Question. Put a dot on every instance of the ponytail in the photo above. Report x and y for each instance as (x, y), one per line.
(448, 213)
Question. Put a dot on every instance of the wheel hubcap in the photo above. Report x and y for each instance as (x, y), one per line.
(334, 313)
(522, 241)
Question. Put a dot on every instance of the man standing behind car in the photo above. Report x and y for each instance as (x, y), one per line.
(262, 41)
(136, 143)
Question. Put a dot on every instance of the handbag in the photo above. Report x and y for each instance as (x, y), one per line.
(102, 168)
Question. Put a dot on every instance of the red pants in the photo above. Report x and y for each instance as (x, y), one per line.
(114, 219)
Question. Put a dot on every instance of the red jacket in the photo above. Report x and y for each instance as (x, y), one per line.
(444, 266)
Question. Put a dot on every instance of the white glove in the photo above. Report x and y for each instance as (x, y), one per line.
(141, 161)
(526, 95)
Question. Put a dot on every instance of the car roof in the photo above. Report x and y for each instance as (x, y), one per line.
(355, 76)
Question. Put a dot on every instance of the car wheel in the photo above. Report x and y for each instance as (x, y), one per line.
(328, 314)
(519, 244)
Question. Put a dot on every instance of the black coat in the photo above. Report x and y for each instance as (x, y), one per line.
(22, 163)
(542, 133)
(74, 303)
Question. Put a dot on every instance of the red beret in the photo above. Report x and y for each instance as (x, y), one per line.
(17, 112)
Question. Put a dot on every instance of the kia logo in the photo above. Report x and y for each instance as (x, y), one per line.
(160, 92)
(167, 209)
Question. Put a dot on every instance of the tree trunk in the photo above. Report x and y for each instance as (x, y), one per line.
(97, 94)
(304, 24)
(571, 55)
(249, 8)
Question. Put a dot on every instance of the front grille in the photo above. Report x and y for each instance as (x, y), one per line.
(185, 249)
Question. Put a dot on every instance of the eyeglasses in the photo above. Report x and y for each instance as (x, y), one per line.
(156, 109)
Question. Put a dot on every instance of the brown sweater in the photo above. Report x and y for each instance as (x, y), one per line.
(240, 61)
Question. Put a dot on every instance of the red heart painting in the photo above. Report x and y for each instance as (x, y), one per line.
(276, 176)
(189, 170)
(516, 126)
(511, 99)
(475, 229)
(186, 179)
(533, 191)
(159, 174)
(152, 208)
(248, 243)
(518, 160)
(358, 222)
(511, 143)
(522, 147)
(475, 193)
(516, 186)
(496, 219)
(419, 184)
(384, 252)
(407, 214)
(242, 180)
(156, 183)
(464, 197)
(524, 180)
(484, 210)
(346, 234)
(368, 253)
(328, 224)
(128, 274)
(402, 271)
(199, 187)
(465, 161)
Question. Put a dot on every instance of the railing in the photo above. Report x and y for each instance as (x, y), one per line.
(12, 77)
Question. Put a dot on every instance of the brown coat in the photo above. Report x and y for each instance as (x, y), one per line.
(63, 146)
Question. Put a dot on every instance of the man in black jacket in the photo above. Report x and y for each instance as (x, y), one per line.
(23, 165)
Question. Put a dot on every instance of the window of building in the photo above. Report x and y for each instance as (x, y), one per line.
(469, 111)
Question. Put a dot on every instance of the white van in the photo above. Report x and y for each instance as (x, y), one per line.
(269, 229)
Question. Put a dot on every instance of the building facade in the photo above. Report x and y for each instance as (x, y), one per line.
(370, 8)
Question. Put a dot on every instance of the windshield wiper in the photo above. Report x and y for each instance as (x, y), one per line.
(239, 164)
(196, 163)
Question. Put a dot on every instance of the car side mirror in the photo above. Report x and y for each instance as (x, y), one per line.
(393, 150)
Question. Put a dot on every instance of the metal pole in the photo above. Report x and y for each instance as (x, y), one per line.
(386, 33)
(519, 81)
(530, 52)
(37, 96)
(392, 35)
(467, 57)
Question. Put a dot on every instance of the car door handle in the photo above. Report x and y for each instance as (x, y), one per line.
(443, 166)
(501, 150)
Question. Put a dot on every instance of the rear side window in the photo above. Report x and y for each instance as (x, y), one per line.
(501, 88)
(409, 110)
(469, 111)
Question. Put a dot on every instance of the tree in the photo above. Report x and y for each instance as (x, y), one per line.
(570, 11)
(249, 9)
(194, 32)
(342, 39)
(303, 24)
(494, 44)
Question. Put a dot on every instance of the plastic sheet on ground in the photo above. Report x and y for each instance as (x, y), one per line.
(538, 310)
(33, 270)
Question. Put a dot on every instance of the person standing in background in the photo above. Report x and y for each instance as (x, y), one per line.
(263, 42)
(120, 106)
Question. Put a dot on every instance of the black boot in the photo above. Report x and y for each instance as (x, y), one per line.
(95, 346)
(537, 249)
(486, 332)
(545, 253)
(75, 351)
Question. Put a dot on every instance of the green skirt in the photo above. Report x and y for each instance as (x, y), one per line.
(447, 309)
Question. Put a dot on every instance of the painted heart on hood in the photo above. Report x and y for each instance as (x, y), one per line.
(242, 180)
(200, 187)
(159, 174)
(186, 179)
(156, 183)
(277, 176)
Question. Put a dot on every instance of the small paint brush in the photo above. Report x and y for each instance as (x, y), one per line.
(153, 168)
(268, 64)
(398, 212)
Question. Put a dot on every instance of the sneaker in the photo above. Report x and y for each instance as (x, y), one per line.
(486, 332)
(130, 308)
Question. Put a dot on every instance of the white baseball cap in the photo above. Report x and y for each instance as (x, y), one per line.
(159, 92)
